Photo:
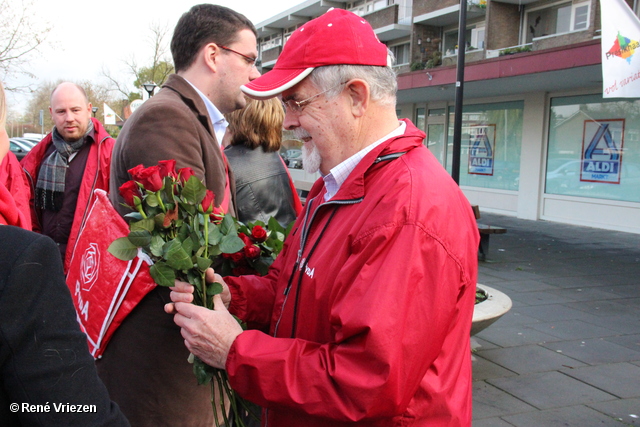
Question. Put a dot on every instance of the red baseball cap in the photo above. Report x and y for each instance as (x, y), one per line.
(338, 37)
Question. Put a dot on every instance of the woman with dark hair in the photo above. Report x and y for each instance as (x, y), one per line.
(263, 185)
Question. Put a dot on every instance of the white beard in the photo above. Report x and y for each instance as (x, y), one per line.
(311, 158)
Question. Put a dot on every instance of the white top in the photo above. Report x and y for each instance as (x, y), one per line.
(217, 118)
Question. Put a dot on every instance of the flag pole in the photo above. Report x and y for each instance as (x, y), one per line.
(457, 121)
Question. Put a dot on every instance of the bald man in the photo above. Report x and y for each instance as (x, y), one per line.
(66, 166)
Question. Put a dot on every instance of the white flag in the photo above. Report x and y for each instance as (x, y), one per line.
(109, 115)
(620, 50)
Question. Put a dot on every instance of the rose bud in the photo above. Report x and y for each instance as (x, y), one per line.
(184, 174)
(167, 168)
(259, 234)
(129, 191)
(252, 251)
(207, 202)
(150, 179)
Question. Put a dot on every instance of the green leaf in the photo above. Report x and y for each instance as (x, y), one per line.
(123, 249)
(156, 245)
(163, 274)
(274, 225)
(176, 257)
(214, 288)
(214, 235)
(231, 244)
(187, 246)
(152, 201)
(203, 263)
(194, 191)
(144, 224)
(140, 238)
(203, 372)
(228, 225)
(133, 216)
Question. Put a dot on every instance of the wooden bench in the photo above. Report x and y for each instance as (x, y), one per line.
(485, 232)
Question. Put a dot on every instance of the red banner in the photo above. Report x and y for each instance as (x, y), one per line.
(105, 289)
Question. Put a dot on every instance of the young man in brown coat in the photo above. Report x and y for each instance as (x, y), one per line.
(214, 51)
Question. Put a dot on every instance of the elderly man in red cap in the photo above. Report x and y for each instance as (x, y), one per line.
(364, 318)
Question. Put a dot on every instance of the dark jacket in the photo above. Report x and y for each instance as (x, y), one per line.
(44, 359)
(263, 185)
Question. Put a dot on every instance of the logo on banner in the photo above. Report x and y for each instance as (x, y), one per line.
(602, 151)
(481, 151)
(624, 48)
(89, 266)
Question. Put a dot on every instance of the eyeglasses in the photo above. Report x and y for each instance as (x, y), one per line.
(297, 106)
(251, 61)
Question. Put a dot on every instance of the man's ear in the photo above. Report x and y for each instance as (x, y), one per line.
(210, 55)
(359, 94)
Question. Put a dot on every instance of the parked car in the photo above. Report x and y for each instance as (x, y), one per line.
(21, 146)
(293, 158)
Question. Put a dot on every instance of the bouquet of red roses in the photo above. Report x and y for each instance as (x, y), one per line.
(174, 221)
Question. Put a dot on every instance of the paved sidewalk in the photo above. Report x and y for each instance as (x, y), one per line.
(568, 351)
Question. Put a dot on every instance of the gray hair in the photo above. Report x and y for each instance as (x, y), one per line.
(382, 80)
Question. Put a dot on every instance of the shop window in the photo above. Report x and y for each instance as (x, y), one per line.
(401, 53)
(491, 144)
(558, 18)
(594, 149)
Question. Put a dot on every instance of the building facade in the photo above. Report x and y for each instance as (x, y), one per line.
(538, 139)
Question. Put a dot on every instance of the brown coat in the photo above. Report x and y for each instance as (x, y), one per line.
(174, 124)
(145, 364)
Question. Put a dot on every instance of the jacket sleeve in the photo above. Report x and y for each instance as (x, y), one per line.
(44, 357)
(395, 301)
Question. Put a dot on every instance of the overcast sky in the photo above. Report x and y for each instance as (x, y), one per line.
(87, 35)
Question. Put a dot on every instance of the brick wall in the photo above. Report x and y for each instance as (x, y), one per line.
(383, 17)
(429, 42)
(503, 23)
(420, 7)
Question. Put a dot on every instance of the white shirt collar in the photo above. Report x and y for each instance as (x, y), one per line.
(339, 174)
(217, 118)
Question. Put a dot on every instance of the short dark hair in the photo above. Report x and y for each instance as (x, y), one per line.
(202, 24)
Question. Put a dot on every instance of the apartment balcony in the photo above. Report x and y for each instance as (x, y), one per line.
(270, 56)
(386, 25)
(448, 15)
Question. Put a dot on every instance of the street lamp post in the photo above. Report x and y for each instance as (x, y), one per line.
(94, 110)
(150, 87)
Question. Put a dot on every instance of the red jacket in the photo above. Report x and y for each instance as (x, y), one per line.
(96, 175)
(373, 326)
(14, 199)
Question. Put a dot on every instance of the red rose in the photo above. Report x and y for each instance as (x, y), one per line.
(129, 190)
(235, 257)
(135, 172)
(216, 215)
(247, 241)
(167, 168)
(184, 174)
(150, 179)
(259, 234)
(207, 202)
(252, 251)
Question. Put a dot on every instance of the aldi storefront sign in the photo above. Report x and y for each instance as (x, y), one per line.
(602, 151)
(482, 143)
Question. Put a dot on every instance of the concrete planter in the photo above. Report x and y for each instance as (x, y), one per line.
(490, 310)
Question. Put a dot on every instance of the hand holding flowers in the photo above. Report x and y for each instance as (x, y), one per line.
(175, 222)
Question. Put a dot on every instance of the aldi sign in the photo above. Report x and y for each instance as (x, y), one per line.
(482, 143)
(602, 151)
